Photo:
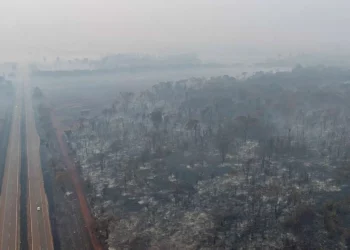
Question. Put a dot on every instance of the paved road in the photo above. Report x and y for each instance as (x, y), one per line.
(10, 194)
(39, 228)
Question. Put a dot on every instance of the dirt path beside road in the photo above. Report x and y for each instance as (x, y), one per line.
(88, 219)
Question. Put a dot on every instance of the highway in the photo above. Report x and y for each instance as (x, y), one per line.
(39, 228)
(10, 194)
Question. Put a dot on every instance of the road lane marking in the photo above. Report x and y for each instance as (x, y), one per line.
(17, 176)
(29, 180)
(19, 155)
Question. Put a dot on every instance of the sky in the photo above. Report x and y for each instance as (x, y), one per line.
(95, 27)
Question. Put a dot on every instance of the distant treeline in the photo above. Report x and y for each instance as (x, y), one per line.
(124, 69)
(5, 84)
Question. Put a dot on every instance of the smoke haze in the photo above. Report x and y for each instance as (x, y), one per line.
(93, 27)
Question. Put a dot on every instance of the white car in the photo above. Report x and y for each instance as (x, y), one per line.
(38, 208)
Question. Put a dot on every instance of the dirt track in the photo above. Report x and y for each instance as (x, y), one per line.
(88, 219)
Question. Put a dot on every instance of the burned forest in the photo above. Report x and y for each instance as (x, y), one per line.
(260, 161)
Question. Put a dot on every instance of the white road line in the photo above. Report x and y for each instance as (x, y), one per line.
(29, 174)
(30, 198)
(19, 155)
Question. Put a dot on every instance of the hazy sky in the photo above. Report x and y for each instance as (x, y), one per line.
(98, 26)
